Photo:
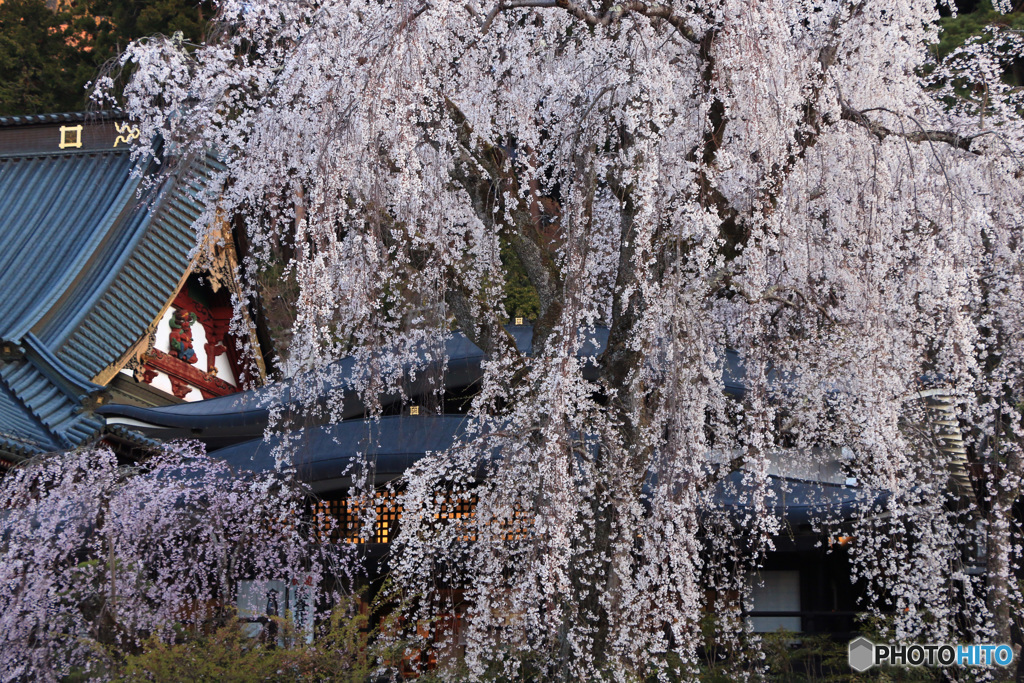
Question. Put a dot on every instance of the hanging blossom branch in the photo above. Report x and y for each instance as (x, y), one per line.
(688, 195)
(95, 557)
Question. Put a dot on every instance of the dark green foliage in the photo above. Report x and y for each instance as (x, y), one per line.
(808, 658)
(47, 58)
(957, 30)
(141, 18)
(794, 658)
(520, 296)
(360, 642)
(43, 70)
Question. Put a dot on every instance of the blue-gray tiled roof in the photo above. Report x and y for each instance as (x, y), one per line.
(88, 259)
(239, 417)
(21, 432)
(327, 456)
(56, 211)
(109, 317)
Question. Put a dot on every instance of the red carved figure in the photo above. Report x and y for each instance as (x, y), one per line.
(212, 351)
(181, 336)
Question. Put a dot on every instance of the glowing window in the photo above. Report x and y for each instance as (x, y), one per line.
(342, 520)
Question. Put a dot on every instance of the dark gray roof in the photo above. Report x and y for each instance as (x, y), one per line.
(62, 117)
(328, 453)
(239, 417)
(326, 457)
(799, 501)
(244, 416)
(250, 410)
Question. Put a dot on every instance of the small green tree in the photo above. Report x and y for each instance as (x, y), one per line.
(353, 644)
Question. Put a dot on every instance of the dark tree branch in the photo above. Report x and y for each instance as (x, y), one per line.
(484, 331)
(806, 136)
(412, 16)
(651, 10)
(881, 132)
(488, 178)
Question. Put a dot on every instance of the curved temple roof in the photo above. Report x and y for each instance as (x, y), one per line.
(87, 261)
(230, 419)
(327, 457)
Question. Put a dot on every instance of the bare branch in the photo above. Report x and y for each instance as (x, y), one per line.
(922, 135)
(654, 10)
(412, 16)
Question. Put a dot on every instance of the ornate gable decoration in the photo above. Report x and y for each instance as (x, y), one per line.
(190, 354)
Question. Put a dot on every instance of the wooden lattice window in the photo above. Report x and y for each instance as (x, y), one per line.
(341, 520)
(461, 508)
(520, 526)
(389, 513)
(336, 521)
(462, 511)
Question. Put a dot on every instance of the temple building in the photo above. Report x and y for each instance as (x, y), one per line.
(105, 297)
(115, 328)
(806, 580)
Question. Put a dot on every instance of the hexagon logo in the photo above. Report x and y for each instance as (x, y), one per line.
(862, 654)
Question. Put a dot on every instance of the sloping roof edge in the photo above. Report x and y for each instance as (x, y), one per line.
(62, 117)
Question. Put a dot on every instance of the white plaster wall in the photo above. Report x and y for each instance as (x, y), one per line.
(223, 366)
(163, 383)
(163, 331)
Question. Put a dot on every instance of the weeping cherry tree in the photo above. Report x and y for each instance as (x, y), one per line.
(799, 181)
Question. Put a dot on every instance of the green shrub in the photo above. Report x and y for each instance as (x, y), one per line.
(346, 649)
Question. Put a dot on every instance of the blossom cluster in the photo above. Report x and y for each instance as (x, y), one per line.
(95, 558)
